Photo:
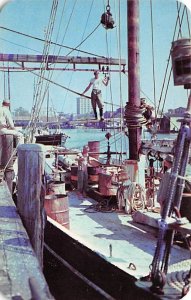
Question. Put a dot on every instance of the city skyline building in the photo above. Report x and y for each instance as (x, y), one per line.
(83, 106)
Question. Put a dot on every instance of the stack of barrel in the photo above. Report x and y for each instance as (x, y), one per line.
(56, 203)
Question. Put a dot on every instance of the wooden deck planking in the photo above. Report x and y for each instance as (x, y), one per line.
(18, 263)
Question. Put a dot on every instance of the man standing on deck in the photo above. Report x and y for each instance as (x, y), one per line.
(164, 184)
(96, 95)
(6, 122)
(83, 171)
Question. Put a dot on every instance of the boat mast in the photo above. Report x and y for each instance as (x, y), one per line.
(132, 113)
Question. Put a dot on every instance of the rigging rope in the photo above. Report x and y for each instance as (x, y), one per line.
(168, 61)
(52, 43)
(38, 92)
(66, 95)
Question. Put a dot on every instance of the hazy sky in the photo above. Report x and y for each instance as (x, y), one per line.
(74, 21)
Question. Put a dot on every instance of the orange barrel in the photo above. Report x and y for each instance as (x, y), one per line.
(105, 185)
(94, 146)
(74, 175)
(57, 208)
(56, 187)
(93, 175)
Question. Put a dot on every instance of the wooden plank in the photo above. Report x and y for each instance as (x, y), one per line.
(20, 272)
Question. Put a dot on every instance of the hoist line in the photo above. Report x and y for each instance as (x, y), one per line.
(168, 61)
(52, 43)
(107, 50)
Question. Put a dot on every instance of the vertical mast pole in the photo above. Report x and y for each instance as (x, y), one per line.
(134, 126)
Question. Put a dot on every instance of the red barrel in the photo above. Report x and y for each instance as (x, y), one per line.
(57, 208)
(94, 146)
(105, 185)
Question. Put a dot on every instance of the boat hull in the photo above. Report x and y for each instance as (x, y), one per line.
(112, 280)
(49, 139)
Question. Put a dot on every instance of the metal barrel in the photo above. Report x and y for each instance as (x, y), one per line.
(105, 185)
(57, 208)
(94, 146)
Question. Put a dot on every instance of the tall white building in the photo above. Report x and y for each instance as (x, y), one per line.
(83, 106)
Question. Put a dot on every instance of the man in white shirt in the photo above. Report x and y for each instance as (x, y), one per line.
(96, 95)
(6, 121)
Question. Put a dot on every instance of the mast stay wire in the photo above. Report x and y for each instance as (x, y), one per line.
(188, 21)
(39, 97)
(50, 74)
(38, 91)
(52, 43)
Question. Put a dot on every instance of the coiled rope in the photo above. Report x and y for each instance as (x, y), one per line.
(134, 116)
(132, 197)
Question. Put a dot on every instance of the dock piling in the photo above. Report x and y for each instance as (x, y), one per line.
(30, 203)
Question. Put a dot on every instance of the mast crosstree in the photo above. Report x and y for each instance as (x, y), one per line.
(52, 60)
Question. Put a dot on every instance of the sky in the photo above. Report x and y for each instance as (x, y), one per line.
(74, 21)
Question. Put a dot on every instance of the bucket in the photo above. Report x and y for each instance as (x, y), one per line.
(93, 176)
(56, 187)
(105, 185)
(57, 208)
(74, 175)
(94, 146)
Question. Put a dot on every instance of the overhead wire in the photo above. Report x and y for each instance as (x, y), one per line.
(51, 42)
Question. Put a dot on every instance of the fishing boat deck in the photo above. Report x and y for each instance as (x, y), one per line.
(116, 237)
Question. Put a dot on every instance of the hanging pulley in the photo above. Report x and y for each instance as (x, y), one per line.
(107, 19)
